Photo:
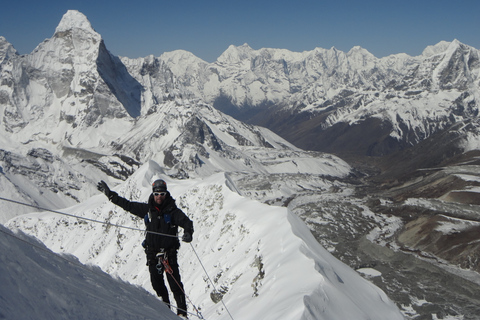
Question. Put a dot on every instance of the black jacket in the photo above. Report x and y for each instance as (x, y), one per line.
(164, 219)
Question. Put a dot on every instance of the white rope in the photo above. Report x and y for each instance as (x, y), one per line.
(88, 219)
(213, 285)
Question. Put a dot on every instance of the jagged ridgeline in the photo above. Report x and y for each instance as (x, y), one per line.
(346, 103)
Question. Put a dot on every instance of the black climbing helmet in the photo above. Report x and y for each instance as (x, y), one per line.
(159, 186)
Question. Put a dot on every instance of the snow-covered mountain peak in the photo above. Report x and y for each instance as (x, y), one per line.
(183, 62)
(74, 19)
(456, 45)
(236, 54)
(6, 50)
(436, 49)
(79, 38)
(449, 48)
(71, 85)
(358, 49)
(180, 55)
(361, 57)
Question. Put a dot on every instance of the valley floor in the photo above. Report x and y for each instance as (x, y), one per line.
(369, 224)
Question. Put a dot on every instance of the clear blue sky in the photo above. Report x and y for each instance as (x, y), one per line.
(138, 28)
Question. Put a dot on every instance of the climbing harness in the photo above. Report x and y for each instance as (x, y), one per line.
(162, 262)
(167, 267)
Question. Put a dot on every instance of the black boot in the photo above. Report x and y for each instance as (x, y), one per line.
(181, 305)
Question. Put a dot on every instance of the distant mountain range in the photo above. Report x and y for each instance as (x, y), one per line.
(333, 101)
(323, 100)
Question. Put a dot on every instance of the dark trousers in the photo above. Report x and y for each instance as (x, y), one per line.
(174, 281)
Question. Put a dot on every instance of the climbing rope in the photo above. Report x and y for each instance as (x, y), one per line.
(86, 219)
(168, 269)
(213, 285)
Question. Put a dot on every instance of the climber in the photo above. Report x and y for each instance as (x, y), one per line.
(162, 218)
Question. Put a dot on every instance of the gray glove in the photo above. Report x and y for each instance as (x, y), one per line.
(103, 187)
(187, 237)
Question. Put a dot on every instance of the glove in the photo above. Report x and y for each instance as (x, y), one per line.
(102, 186)
(187, 237)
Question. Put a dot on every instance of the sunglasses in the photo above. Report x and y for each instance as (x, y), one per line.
(159, 194)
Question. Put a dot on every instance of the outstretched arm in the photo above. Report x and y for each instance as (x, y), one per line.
(137, 208)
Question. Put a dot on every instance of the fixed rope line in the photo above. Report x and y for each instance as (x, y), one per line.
(177, 308)
(213, 285)
(169, 271)
(87, 219)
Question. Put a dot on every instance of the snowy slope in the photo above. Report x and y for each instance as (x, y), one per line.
(263, 260)
(39, 284)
